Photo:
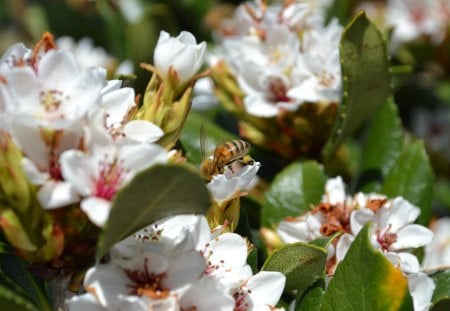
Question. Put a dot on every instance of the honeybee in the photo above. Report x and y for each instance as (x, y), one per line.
(224, 155)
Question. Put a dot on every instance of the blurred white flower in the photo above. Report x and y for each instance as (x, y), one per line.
(181, 55)
(414, 19)
(204, 97)
(98, 173)
(437, 253)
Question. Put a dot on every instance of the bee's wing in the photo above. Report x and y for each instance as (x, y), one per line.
(203, 142)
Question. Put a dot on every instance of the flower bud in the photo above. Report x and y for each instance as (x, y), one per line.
(181, 56)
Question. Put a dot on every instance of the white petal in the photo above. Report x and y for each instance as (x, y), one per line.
(412, 236)
(83, 302)
(137, 157)
(142, 131)
(33, 174)
(222, 188)
(77, 169)
(407, 262)
(343, 245)
(266, 287)
(293, 231)
(184, 269)
(360, 218)
(397, 215)
(247, 173)
(106, 282)
(55, 194)
(335, 190)
(96, 209)
(257, 105)
(219, 250)
(421, 288)
(206, 295)
(57, 68)
(118, 103)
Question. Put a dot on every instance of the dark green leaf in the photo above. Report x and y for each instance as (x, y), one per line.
(442, 291)
(365, 280)
(15, 272)
(384, 144)
(302, 264)
(252, 260)
(190, 136)
(365, 72)
(157, 192)
(412, 178)
(293, 191)
(311, 298)
(12, 301)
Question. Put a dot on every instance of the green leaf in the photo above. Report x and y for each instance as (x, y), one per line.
(15, 302)
(293, 191)
(157, 192)
(365, 280)
(365, 72)
(383, 146)
(311, 298)
(412, 178)
(190, 136)
(301, 263)
(442, 291)
(341, 9)
(15, 272)
(324, 242)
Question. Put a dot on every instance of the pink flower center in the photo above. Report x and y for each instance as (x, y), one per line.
(240, 299)
(386, 239)
(277, 90)
(110, 179)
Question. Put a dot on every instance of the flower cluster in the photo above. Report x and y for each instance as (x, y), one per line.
(73, 127)
(393, 232)
(178, 264)
(283, 56)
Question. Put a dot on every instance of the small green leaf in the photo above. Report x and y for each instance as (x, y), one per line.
(13, 300)
(365, 280)
(311, 298)
(157, 192)
(324, 242)
(302, 264)
(293, 191)
(190, 136)
(365, 72)
(384, 144)
(442, 291)
(412, 178)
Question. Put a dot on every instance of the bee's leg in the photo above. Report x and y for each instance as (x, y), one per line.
(246, 160)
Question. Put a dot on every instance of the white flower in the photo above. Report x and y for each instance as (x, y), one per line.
(317, 74)
(226, 185)
(177, 264)
(437, 253)
(99, 173)
(182, 55)
(413, 19)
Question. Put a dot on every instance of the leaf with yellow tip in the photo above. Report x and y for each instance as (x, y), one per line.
(366, 280)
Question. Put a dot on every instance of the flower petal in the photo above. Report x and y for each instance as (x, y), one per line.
(421, 288)
(142, 131)
(412, 236)
(266, 287)
(96, 209)
(55, 194)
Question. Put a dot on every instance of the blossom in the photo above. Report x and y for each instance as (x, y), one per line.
(413, 19)
(437, 253)
(176, 264)
(181, 55)
(101, 171)
(225, 186)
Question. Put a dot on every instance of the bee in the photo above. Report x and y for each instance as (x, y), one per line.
(224, 155)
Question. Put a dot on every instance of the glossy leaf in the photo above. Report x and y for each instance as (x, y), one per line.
(293, 191)
(365, 72)
(384, 144)
(412, 178)
(15, 302)
(157, 192)
(324, 242)
(442, 291)
(365, 280)
(302, 264)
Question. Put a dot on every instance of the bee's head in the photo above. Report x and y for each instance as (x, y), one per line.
(209, 168)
